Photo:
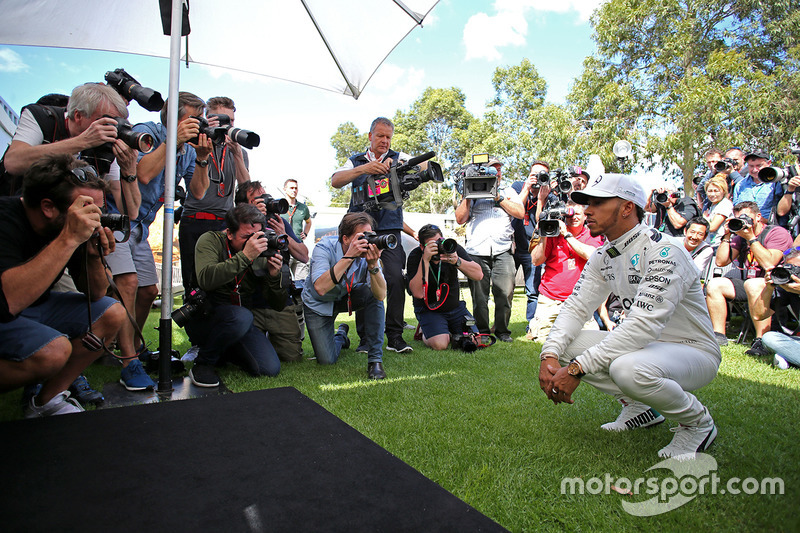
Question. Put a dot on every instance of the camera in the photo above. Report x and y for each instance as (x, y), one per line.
(381, 241)
(563, 179)
(783, 175)
(696, 180)
(217, 134)
(115, 221)
(276, 243)
(477, 180)
(723, 164)
(130, 89)
(548, 221)
(664, 197)
(445, 246)
(275, 206)
(739, 223)
(389, 190)
(781, 275)
(195, 305)
(466, 341)
(138, 140)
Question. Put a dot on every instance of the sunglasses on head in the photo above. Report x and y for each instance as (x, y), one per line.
(84, 174)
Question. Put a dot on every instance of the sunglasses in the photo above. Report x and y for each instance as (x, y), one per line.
(84, 174)
(790, 250)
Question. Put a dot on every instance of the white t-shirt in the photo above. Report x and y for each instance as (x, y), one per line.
(725, 208)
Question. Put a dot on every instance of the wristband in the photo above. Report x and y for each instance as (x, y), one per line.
(333, 276)
(548, 355)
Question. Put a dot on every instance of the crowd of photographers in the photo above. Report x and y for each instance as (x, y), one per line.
(82, 186)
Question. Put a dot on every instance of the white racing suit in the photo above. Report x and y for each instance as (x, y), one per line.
(664, 347)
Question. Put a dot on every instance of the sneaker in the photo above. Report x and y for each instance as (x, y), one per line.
(191, 354)
(689, 440)
(60, 404)
(757, 349)
(134, 378)
(362, 348)
(28, 392)
(722, 340)
(406, 325)
(505, 337)
(780, 362)
(84, 393)
(204, 375)
(343, 330)
(634, 415)
(399, 345)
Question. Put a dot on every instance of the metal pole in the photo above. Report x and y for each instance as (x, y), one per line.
(165, 324)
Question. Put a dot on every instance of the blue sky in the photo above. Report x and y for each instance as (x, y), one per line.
(460, 44)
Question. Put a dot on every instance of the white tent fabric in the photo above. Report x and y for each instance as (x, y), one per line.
(336, 45)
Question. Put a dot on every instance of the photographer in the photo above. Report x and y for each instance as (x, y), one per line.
(377, 161)
(756, 248)
(728, 165)
(773, 296)
(672, 210)
(489, 241)
(753, 189)
(232, 268)
(219, 167)
(563, 257)
(345, 276)
(791, 196)
(434, 285)
(56, 224)
(282, 325)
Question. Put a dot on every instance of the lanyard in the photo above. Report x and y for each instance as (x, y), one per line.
(439, 300)
(349, 287)
(219, 167)
(236, 279)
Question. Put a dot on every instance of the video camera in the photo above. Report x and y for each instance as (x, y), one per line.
(130, 89)
(783, 175)
(781, 275)
(739, 223)
(389, 190)
(548, 221)
(477, 179)
(381, 241)
(217, 134)
(276, 243)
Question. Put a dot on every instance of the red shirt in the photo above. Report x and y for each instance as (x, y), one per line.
(563, 266)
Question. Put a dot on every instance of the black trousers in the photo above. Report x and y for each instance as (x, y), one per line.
(393, 263)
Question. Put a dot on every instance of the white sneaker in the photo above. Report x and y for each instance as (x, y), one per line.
(780, 362)
(689, 440)
(60, 404)
(634, 415)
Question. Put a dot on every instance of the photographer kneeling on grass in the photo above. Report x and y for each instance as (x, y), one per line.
(663, 349)
(47, 337)
(345, 276)
(434, 268)
(231, 266)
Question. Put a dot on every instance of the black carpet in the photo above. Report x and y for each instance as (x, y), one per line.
(269, 460)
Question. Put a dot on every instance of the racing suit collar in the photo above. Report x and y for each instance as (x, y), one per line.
(619, 245)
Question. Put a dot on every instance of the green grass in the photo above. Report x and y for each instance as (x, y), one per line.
(478, 425)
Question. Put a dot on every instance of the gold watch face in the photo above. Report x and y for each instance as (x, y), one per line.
(574, 369)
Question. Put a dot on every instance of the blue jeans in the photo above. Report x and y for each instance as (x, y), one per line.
(498, 271)
(321, 329)
(783, 345)
(228, 334)
(532, 275)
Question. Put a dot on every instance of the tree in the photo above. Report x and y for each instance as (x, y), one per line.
(678, 76)
(346, 141)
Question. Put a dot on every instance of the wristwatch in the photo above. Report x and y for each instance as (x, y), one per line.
(203, 164)
(499, 200)
(751, 241)
(130, 178)
(574, 369)
(567, 235)
(458, 262)
(375, 270)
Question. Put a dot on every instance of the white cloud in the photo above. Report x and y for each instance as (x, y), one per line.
(10, 61)
(485, 34)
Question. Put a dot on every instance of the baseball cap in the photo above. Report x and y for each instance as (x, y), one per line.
(612, 186)
(494, 161)
(758, 152)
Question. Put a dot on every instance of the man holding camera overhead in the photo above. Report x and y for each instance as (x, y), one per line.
(489, 241)
(377, 161)
(757, 248)
(233, 267)
(345, 276)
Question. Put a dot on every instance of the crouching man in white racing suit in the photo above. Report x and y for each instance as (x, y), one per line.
(664, 348)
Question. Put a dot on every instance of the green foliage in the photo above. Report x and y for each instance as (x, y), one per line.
(346, 141)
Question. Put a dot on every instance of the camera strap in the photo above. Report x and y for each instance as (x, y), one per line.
(439, 300)
(219, 167)
(349, 287)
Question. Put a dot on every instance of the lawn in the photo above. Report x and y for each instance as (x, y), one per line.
(478, 425)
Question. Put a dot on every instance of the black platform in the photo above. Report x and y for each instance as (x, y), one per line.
(269, 460)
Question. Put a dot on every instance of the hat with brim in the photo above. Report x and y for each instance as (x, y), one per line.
(612, 186)
(758, 153)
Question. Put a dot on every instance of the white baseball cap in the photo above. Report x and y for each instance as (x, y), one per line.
(612, 186)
